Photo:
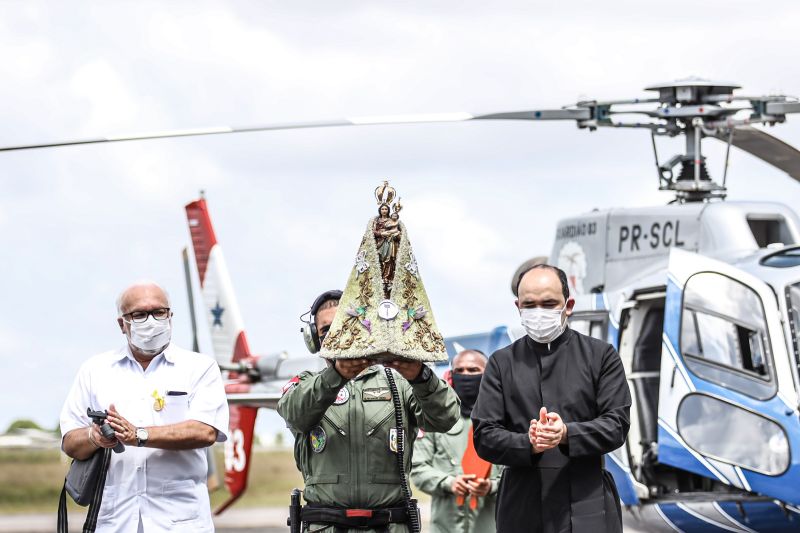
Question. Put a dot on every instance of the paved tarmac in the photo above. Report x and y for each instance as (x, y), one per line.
(259, 520)
(254, 530)
(262, 520)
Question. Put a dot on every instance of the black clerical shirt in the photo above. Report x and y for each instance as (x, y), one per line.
(564, 489)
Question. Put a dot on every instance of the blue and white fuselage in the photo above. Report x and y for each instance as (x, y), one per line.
(702, 302)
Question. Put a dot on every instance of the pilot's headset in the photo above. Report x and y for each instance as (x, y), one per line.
(309, 331)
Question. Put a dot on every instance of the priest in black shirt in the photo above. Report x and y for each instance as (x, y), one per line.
(550, 406)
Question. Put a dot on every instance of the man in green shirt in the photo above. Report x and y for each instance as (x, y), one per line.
(345, 439)
(461, 502)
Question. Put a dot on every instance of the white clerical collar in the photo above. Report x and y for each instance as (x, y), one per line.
(554, 344)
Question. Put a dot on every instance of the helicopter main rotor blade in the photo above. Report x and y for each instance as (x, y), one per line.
(767, 148)
(781, 108)
(575, 113)
(178, 133)
(544, 114)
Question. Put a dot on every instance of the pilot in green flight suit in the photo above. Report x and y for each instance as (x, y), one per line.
(343, 418)
(344, 434)
(461, 502)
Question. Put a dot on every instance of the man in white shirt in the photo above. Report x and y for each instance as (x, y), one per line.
(166, 405)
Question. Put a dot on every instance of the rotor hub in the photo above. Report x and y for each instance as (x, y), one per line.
(691, 90)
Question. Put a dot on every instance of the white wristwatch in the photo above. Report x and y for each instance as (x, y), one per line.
(141, 437)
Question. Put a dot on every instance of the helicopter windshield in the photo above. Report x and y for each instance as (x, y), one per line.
(724, 334)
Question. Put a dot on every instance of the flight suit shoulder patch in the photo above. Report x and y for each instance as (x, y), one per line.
(292, 383)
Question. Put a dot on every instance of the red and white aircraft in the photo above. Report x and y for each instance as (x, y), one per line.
(252, 381)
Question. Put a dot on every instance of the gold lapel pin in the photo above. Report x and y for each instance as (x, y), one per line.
(158, 404)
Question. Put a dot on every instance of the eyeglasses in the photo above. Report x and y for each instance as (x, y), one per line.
(161, 313)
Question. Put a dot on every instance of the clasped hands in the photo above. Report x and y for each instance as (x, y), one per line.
(547, 432)
(464, 484)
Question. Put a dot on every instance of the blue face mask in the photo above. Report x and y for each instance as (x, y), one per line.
(543, 325)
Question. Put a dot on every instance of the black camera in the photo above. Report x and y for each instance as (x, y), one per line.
(99, 418)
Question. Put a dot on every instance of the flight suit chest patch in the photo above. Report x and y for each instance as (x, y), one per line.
(393, 440)
(379, 394)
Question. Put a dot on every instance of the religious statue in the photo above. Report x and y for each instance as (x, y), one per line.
(384, 311)
(387, 233)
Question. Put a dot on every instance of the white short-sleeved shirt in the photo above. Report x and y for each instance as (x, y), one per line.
(166, 488)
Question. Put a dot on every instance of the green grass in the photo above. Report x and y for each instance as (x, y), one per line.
(31, 481)
(273, 475)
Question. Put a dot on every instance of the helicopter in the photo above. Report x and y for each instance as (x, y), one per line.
(701, 298)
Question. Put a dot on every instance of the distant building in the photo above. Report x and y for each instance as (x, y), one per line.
(30, 438)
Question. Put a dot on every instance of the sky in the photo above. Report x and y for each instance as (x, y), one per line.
(79, 224)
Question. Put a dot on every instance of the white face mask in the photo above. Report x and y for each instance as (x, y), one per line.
(150, 336)
(543, 325)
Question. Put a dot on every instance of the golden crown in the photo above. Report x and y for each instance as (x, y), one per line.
(385, 193)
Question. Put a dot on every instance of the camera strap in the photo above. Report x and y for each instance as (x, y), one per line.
(103, 456)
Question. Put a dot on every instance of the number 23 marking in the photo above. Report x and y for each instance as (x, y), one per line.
(235, 458)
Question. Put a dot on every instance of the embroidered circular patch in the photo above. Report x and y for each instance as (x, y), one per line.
(318, 439)
(342, 397)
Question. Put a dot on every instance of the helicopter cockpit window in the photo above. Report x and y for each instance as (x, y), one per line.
(714, 428)
(724, 335)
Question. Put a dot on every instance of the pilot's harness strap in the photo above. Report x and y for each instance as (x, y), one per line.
(353, 518)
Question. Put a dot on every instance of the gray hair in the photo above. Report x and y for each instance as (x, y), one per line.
(141, 283)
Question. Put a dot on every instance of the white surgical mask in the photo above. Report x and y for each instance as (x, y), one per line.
(543, 325)
(150, 336)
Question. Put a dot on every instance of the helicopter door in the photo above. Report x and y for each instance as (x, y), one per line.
(723, 411)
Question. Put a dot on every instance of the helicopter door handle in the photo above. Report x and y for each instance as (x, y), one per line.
(672, 381)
